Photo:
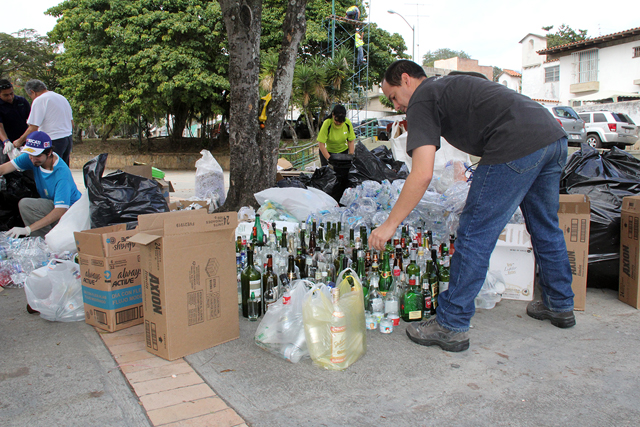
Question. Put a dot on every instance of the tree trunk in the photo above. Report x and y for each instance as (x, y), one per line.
(253, 151)
(180, 115)
(107, 132)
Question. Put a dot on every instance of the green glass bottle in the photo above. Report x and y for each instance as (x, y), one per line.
(412, 302)
(363, 237)
(260, 232)
(250, 281)
(385, 274)
(429, 282)
(413, 269)
(283, 238)
(444, 273)
(301, 262)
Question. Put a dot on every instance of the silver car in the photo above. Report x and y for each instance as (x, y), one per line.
(572, 124)
(606, 129)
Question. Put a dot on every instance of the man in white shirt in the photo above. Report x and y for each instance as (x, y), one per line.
(50, 113)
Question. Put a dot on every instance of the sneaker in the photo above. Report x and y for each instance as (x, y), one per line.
(430, 332)
(537, 310)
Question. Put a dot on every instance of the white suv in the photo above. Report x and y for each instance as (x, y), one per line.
(606, 129)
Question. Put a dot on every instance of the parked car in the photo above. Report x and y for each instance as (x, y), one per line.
(606, 129)
(572, 124)
(373, 127)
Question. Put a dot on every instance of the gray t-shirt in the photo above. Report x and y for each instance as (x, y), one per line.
(479, 117)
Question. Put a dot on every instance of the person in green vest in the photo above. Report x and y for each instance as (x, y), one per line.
(336, 135)
(353, 12)
(359, 45)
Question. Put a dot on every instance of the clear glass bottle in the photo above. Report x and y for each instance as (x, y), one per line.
(253, 308)
(338, 330)
(270, 289)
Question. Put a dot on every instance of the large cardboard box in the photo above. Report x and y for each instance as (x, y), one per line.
(111, 280)
(189, 281)
(575, 216)
(513, 257)
(629, 285)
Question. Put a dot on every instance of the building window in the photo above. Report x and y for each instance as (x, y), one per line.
(585, 66)
(636, 52)
(552, 74)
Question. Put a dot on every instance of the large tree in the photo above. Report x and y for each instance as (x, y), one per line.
(254, 151)
(443, 53)
(123, 59)
(27, 55)
(563, 35)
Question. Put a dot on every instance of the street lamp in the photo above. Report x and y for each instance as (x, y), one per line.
(413, 46)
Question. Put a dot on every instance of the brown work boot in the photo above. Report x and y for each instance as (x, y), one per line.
(563, 319)
(429, 332)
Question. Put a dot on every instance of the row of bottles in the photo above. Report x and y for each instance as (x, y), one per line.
(267, 266)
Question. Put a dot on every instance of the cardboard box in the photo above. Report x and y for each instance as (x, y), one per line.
(188, 280)
(513, 257)
(575, 217)
(629, 285)
(111, 279)
(145, 171)
(179, 205)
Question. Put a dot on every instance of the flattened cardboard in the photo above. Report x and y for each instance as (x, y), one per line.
(513, 257)
(629, 285)
(574, 218)
(189, 281)
(111, 279)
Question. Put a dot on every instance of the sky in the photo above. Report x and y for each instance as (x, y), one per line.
(489, 30)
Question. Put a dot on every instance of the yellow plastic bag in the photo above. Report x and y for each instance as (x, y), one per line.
(318, 314)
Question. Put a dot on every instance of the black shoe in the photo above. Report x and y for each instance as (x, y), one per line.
(31, 310)
(537, 310)
(430, 332)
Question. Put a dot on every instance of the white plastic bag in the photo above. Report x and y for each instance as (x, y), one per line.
(281, 331)
(398, 140)
(56, 291)
(491, 292)
(210, 180)
(298, 201)
(76, 218)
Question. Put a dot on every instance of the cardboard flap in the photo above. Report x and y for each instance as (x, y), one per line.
(574, 204)
(141, 170)
(201, 222)
(631, 204)
(144, 238)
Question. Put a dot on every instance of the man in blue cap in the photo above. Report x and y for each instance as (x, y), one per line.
(54, 182)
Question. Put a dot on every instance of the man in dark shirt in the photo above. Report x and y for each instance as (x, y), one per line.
(522, 149)
(14, 111)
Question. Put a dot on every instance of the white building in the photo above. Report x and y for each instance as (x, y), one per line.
(599, 69)
(511, 79)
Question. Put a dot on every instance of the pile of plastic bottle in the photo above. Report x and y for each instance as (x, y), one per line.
(19, 257)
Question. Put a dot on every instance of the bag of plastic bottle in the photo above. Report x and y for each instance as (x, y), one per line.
(56, 291)
(491, 292)
(281, 331)
(210, 179)
(318, 316)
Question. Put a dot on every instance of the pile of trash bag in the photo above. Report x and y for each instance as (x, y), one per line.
(606, 178)
(14, 187)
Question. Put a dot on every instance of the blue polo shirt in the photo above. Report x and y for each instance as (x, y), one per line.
(56, 185)
(14, 117)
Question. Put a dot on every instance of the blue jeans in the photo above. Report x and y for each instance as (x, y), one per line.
(531, 182)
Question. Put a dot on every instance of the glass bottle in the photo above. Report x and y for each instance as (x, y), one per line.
(362, 275)
(376, 302)
(338, 330)
(269, 285)
(444, 273)
(429, 285)
(250, 281)
(352, 238)
(312, 239)
(452, 239)
(385, 274)
(363, 237)
(391, 298)
(260, 232)
(284, 241)
(253, 308)
(303, 238)
(337, 263)
(413, 302)
(413, 269)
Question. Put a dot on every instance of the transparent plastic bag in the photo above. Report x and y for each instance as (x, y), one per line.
(281, 331)
(76, 218)
(56, 291)
(317, 314)
(210, 179)
(491, 292)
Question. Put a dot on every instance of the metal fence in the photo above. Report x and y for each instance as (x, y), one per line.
(300, 155)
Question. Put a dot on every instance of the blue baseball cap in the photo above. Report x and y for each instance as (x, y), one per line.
(36, 143)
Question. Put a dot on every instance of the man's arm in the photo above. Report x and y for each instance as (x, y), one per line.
(323, 150)
(20, 141)
(414, 188)
(6, 168)
(50, 218)
(3, 134)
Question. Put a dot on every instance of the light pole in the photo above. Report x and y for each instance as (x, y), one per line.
(413, 29)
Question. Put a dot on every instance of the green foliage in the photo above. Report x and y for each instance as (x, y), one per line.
(496, 73)
(27, 55)
(563, 35)
(443, 53)
(123, 58)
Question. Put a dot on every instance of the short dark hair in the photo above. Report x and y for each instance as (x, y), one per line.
(47, 151)
(339, 112)
(393, 75)
(5, 84)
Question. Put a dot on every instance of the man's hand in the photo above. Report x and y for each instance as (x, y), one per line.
(7, 146)
(16, 232)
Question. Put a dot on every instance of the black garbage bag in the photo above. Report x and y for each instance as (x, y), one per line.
(324, 179)
(368, 167)
(606, 178)
(119, 197)
(19, 185)
(290, 181)
(385, 155)
(341, 164)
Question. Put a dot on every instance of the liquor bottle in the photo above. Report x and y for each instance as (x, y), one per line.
(452, 239)
(367, 261)
(413, 269)
(362, 275)
(303, 238)
(301, 263)
(260, 232)
(254, 237)
(269, 285)
(391, 298)
(337, 262)
(429, 282)
(444, 273)
(376, 301)
(352, 238)
(312, 239)
(321, 235)
(283, 239)
(419, 236)
(253, 308)
(291, 273)
(338, 330)
(250, 281)
(397, 259)
(363, 237)
(328, 237)
(385, 274)
(429, 243)
(413, 302)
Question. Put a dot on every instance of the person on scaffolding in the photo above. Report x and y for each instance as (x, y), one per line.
(359, 47)
(336, 135)
(353, 13)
